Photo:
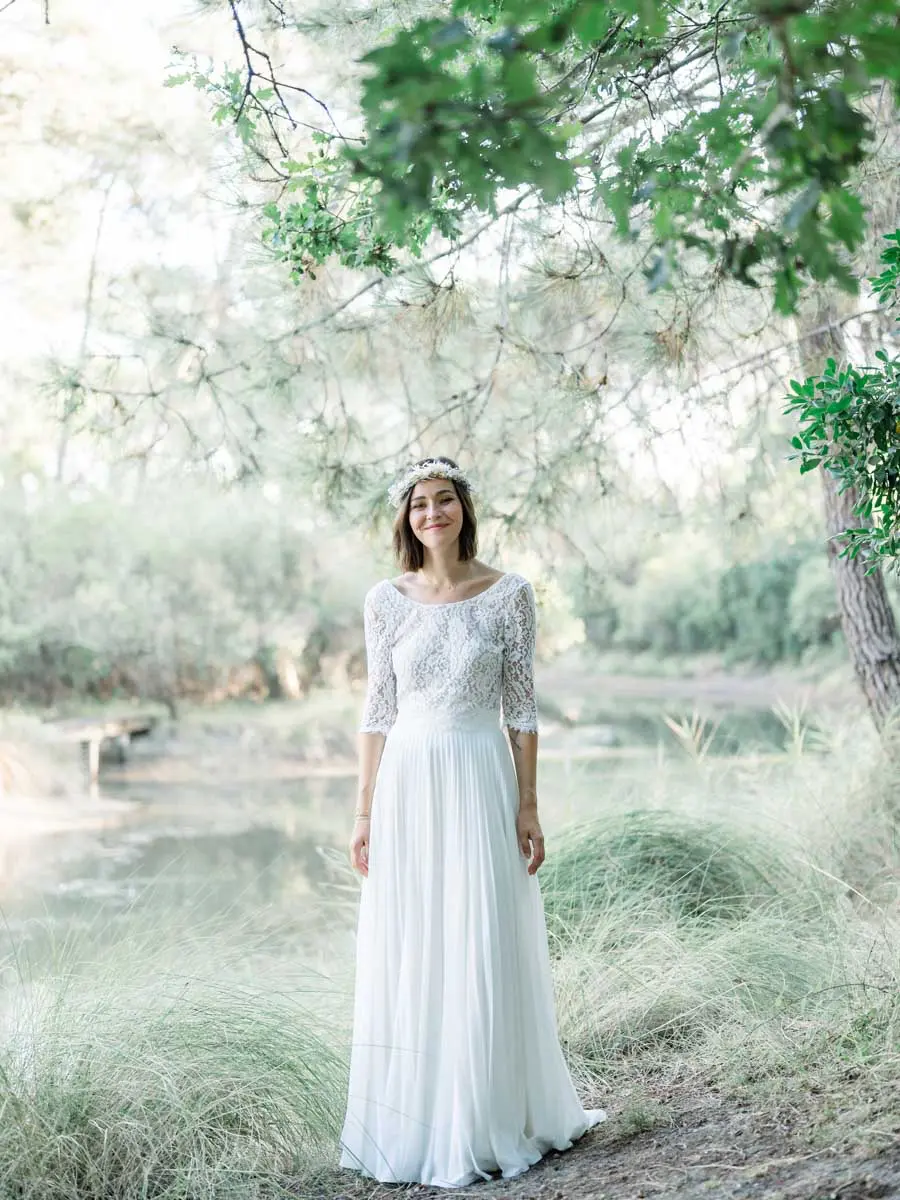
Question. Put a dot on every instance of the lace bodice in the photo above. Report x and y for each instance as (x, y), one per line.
(459, 657)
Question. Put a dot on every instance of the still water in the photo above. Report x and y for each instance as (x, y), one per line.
(266, 856)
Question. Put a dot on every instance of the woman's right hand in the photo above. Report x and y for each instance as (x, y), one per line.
(359, 846)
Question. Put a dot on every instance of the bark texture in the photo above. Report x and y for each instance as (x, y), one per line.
(867, 618)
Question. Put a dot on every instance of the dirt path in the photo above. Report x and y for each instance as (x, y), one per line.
(707, 1154)
(711, 1150)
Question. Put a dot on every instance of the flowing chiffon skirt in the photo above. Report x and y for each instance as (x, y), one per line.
(456, 1071)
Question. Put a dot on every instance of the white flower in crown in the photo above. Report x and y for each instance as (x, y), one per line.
(430, 469)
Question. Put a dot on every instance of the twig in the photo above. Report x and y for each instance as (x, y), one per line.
(381, 280)
(762, 355)
(249, 51)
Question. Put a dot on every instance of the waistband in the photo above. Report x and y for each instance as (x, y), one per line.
(421, 718)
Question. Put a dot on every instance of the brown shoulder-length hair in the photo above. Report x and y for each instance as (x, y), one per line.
(408, 550)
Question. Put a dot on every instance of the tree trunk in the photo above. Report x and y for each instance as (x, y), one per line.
(867, 618)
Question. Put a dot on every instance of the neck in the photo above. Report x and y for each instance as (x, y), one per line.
(443, 566)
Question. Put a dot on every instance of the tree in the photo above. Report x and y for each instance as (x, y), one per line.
(714, 138)
(849, 431)
(731, 128)
(849, 425)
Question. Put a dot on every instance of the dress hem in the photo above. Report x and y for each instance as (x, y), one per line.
(595, 1116)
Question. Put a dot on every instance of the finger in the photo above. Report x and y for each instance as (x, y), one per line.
(532, 866)
(359, 854)
(538, 854)
(525, 844)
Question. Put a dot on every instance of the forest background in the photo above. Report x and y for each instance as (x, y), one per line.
(196, 448)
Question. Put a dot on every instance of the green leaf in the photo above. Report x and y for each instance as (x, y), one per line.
(592, 22)
(847, 217)
(519, 80)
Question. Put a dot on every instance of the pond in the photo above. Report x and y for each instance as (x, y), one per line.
(265, 856)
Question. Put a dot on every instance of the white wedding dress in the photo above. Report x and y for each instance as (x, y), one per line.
(456, 1071)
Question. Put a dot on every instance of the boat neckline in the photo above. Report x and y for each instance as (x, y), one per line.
(448, 603)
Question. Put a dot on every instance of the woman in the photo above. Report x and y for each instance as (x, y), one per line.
(456, 1070)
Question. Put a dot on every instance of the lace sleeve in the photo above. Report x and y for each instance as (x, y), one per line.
(380, 707)
(518, 701)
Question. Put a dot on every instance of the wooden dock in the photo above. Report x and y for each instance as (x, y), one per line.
(92, 732)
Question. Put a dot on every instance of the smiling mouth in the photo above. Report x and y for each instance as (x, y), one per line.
(435, 526)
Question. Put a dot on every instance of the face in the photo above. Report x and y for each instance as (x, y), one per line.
(435, 512)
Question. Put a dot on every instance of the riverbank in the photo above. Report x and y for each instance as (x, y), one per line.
(587, 709)
(42, 789)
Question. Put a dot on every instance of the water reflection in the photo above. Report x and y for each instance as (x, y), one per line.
(249, 857)
(266, 857)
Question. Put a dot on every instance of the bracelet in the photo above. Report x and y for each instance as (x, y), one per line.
(362, 815)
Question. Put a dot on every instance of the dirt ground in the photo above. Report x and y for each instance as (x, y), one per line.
(710, 1149)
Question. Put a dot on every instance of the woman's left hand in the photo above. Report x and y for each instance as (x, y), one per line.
(531, 838)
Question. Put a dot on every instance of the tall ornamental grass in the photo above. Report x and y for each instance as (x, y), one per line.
(688, 868)
(745, 923)
(118, 1085)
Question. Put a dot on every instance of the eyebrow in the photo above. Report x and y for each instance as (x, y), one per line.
(439, 492)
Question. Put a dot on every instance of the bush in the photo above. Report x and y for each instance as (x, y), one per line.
(672, 607)
(813, 617)
(755, 600)
(765, 610)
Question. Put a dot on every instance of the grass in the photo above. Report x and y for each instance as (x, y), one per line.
(719, 923)
(741, 929)
(156, 1073)
(694, 870)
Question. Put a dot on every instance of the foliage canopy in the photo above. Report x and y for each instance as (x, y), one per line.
(731, 127)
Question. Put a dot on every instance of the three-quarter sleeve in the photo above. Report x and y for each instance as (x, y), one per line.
(380, 707)
(517, 695)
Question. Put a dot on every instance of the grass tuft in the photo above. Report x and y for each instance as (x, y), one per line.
(684, 867)
(168, 1086)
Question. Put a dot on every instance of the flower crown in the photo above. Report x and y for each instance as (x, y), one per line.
(431, 468)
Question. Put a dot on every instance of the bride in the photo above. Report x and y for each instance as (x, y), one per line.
(456, 1071)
